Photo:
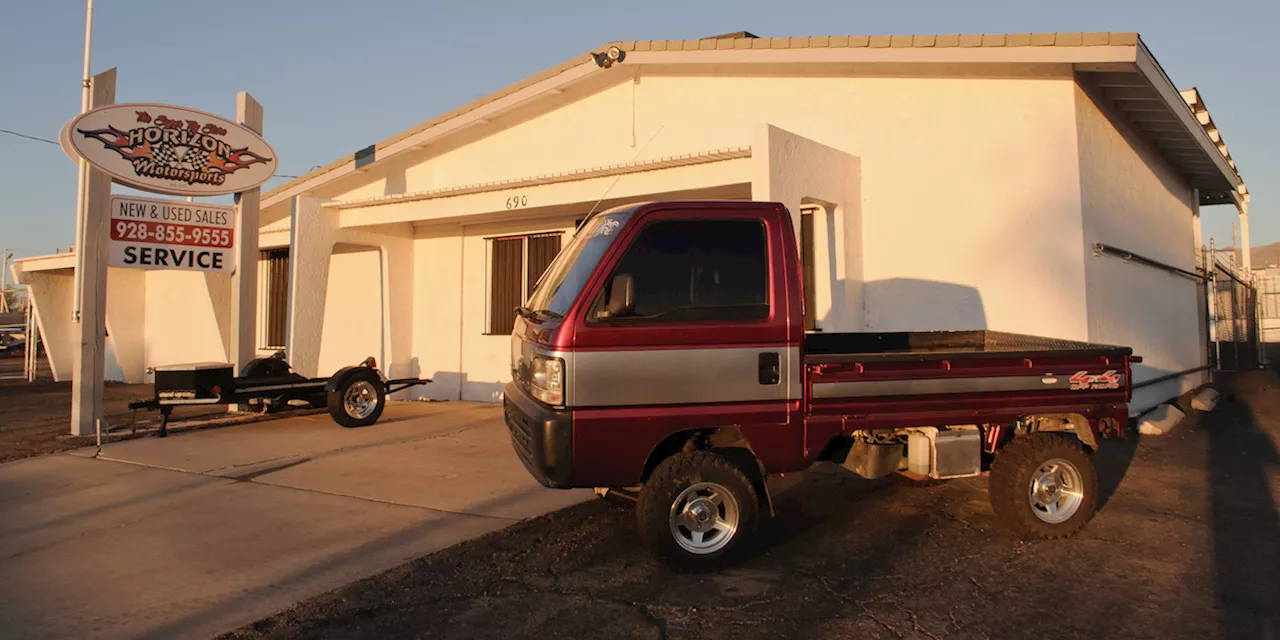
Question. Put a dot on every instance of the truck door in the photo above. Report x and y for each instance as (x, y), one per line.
(706, 339)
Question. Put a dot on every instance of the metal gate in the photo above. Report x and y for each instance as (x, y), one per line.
(1234, 309)
(1268, 286)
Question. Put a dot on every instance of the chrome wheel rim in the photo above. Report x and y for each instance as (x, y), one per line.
(704, 518)
(1056, 491)
(360, 400)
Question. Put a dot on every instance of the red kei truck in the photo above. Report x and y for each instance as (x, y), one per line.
(664, 353)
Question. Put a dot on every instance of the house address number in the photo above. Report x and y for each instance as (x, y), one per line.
(515, 202)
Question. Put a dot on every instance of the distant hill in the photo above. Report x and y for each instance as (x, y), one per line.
(1267, 255)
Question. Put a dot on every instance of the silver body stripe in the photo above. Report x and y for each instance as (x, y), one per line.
(934, 386)
(670, 376)
(679, 376)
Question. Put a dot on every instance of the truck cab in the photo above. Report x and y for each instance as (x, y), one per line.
(663, 355)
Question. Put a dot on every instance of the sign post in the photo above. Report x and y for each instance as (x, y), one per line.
(88, 360)
(244, 283)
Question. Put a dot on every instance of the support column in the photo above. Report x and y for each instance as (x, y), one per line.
(1245, 257)
(88, 361)
(244, 282)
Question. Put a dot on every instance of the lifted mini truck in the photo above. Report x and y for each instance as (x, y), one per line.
(665, 348)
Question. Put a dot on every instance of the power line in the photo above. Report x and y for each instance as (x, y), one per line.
(23, 135)
(39, 139)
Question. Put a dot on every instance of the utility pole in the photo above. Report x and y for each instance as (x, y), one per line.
(4, 281)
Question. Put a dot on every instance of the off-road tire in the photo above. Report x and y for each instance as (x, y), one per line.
(1009, 484)
(337, 406)
(665, 485)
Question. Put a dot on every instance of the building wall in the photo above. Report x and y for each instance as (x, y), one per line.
(800, 173)
(352, 326)
(181, 317)
(969, 193)
(126, 325)
(437, 312)
(486, 359)
(50, 293)
(1132, 200)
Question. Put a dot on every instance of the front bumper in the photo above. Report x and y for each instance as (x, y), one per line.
(541, 436)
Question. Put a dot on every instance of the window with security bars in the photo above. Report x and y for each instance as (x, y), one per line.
(515, 265)
(273, 277)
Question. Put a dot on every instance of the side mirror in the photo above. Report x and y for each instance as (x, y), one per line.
(622, 296)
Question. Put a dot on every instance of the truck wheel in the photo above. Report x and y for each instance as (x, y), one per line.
(697, 511)
(1043, 486)
(359, 400)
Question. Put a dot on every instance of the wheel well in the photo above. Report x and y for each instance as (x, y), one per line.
(1063, 422)
(726, 441)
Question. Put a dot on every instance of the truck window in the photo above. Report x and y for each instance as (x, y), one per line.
(697, 270)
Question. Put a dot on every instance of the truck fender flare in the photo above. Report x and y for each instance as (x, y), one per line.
(729, 442)
(1072, 422)
(340, 378)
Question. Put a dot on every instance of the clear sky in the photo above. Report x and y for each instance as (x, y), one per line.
(337, 76)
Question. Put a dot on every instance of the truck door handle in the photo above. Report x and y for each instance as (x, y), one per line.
(769, 368)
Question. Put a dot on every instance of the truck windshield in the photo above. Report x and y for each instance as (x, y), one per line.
(568, 273)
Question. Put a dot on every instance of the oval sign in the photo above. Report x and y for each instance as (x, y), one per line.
(161, 148)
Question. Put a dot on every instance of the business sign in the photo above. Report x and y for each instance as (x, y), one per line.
(166, 149)
(164, 234)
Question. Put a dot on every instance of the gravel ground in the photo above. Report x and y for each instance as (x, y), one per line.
(1185, 546)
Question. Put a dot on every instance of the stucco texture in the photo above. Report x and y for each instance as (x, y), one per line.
(1131, 200)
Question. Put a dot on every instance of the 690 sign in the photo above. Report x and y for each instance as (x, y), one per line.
(160, 234)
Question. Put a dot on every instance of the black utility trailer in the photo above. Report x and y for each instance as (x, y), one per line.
(354, 395)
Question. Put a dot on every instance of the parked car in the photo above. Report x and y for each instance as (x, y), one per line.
(663, 355)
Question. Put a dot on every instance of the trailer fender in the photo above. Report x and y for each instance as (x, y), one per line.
(1072, 422)
(340, 378)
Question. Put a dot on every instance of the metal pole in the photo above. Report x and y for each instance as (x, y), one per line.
(83, 177)
(29, 365)
(4, 282)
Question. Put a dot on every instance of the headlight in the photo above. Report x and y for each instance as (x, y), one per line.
(547, 380)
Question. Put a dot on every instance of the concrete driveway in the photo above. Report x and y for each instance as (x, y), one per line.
(202, 532)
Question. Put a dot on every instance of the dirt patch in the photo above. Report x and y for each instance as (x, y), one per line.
(1183, 547)
(35, 418)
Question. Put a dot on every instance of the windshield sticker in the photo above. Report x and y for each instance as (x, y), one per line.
(608, 227)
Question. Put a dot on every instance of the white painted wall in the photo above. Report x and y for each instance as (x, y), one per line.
(1133, 201)
(352, 326)
(969, 198)
(437, 312)
(181, 317)
(798, 172)
(126, 325)
(50, 293)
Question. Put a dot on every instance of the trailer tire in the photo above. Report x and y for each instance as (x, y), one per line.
(697, 512)
(358, 400)
(1043, 485)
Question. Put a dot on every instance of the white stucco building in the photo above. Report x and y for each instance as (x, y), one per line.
(942, 182)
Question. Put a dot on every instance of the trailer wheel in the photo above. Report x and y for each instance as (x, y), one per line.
(697, 511)
(1043, 486)
(359, 400)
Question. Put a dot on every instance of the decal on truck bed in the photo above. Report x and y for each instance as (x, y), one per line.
(1085, 381)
